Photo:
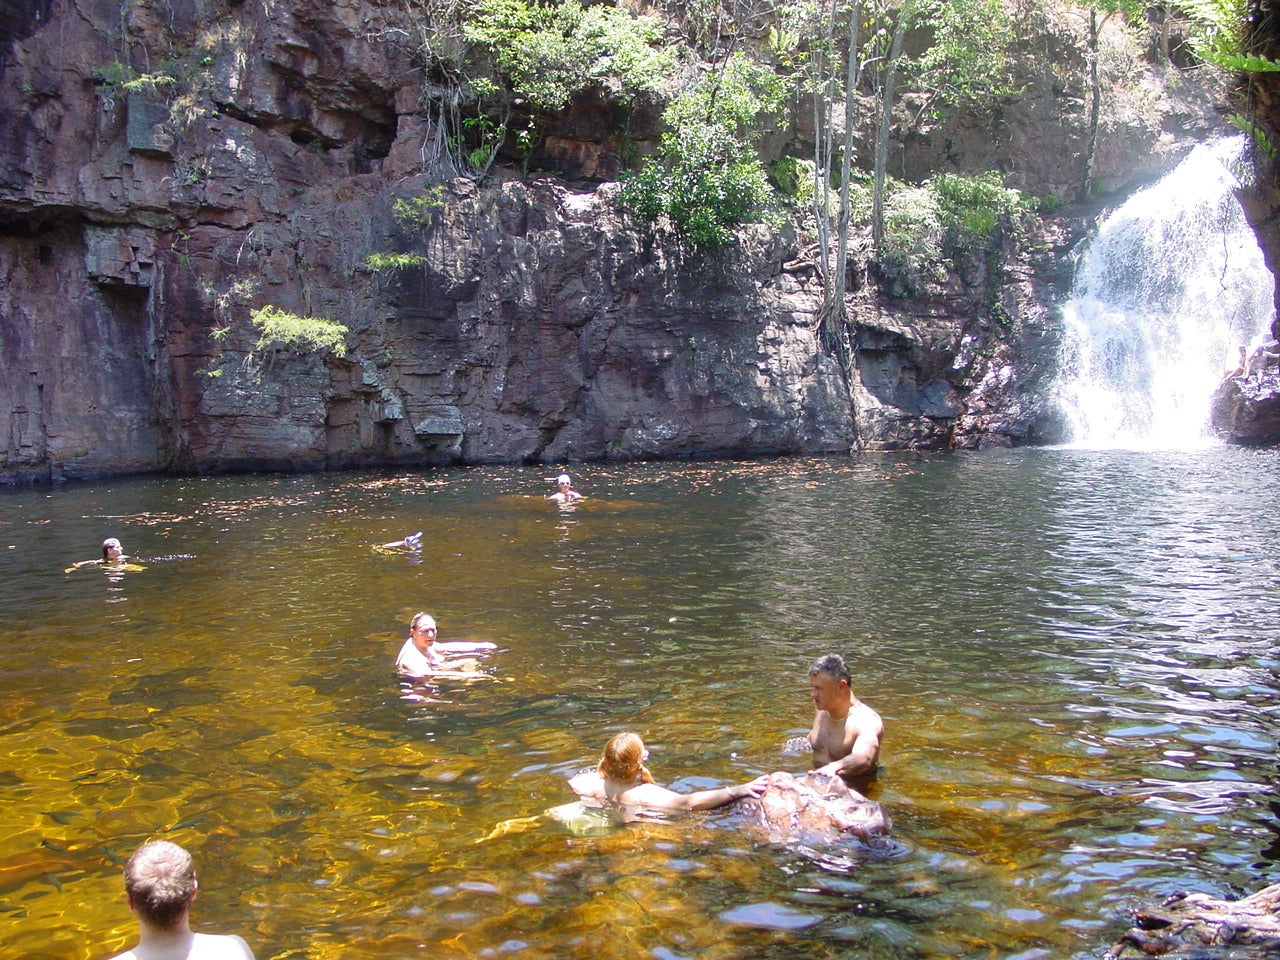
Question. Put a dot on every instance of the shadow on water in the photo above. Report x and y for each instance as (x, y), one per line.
(1073, 651)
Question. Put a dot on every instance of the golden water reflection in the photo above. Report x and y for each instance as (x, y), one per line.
(1060, 744)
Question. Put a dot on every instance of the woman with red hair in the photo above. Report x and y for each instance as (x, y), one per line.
(621, 779)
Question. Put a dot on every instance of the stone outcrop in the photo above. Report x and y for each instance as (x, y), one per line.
(143, 217)
(1246, 411)
(814, 808)
(1196, 925)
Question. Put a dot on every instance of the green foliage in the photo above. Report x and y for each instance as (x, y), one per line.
(128, 80)
(488, 136)
(970, 61)
(701, 202)
(913, 229)
(418, 209)
(1218, 35)
(926, 227)
(731, 100)
(974, 207)
(280, 329)
(1256, 134)
(793, 177)
(394, 261)
(707, 178)
(546, 52)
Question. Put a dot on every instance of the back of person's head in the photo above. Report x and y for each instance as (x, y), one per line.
(160, 879)
(833, 665)
(623, 759)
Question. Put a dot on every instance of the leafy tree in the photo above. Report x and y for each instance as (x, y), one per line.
(848, 58)
(484, 60)
(969, 60)
(706, 178)
(548, 52)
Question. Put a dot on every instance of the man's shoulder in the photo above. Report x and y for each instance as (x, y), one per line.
(868, 717)
(220, 946)
(410, 657)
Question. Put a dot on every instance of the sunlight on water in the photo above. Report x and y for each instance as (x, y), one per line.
(1165, 293)
(1074, 653)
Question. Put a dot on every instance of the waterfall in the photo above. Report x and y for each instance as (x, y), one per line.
(1164, 296)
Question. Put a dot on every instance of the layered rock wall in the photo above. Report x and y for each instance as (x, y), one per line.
(145, 213)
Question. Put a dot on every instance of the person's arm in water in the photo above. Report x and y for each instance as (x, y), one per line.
(864, 750)
(652, 795)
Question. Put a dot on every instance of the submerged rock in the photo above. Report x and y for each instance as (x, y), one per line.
(814, 807)
(1198, 925)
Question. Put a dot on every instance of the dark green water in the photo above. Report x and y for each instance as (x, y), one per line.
(1075, 654)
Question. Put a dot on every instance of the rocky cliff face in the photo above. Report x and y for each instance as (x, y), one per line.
(1246, 411)
(141, 222)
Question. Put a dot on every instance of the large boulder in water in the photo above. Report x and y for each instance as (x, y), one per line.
(814, 807)
(1246, 411)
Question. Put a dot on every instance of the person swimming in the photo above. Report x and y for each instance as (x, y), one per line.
(565, 494)
(621, 779)
(113, 558)
(411, 544)
(422, 656)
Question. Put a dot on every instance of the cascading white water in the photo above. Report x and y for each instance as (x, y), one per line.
(1164, 296)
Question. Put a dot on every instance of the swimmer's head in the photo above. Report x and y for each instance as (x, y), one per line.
(414, 541)
(624, 758)
(111, 549)
(563, 480)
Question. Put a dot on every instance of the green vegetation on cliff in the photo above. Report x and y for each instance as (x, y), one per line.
(766, 111)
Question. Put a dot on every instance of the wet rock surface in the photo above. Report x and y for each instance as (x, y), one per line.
(1246, 411)
(1188, 925)
(814, 808)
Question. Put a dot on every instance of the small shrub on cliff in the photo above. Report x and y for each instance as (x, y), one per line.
(394, 261)
(280, 329)
(913, 233)
(417, 210)
(974, 207)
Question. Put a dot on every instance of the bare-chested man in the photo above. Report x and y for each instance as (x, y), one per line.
(160, 883)
(846, 732)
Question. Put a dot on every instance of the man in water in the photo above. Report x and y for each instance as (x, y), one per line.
(410, 544)
(416, 657)
(846, 732)
(421, 656)
(160, 883)
(112, 557)
(112, 551)
(564, 492)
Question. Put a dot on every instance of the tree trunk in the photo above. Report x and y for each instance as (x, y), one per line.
(833, 313)
(822, 146)
(886, 124)
(1095, 107)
